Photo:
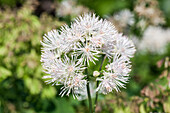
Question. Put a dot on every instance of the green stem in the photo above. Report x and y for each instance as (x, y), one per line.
(97, 84)
(89, 98)
(88, 93)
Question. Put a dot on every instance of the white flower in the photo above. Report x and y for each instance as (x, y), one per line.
(124, 46)
(71, 37)
(115, 76)
(73, 84)
(87, 52)
(119, 66)
(68, 71)
(125, 17)
(69, 7)
(52, 40)
(92, 26)
(111, 81)
(49, 56)
(88, 24)
(68, 52)
(97, 41)
(155, 39)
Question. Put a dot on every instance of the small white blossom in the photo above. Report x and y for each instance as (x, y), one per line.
(124, 46)
(87, 52)
(73, 84)
(119, 66)
(52, 40)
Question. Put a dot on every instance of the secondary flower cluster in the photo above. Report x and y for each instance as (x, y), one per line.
(66, 54)
(123, 24)
(154, 40)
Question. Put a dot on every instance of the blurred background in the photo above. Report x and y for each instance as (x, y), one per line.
(24, 22)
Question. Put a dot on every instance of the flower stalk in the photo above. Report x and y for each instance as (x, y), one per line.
(88, 92)
(97, 84)
(89, 98)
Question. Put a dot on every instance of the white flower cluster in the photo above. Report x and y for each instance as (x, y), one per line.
(123, 19)
(69, 7)
(67, 53)
(128, 17)
(155, 39)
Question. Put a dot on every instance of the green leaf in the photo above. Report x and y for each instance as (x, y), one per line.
(3, 51)
(142, 108)
(4, 73)
(48, 92)
(166, 106)
(33, 85)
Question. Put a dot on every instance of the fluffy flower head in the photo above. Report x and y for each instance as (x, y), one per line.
(68, 52)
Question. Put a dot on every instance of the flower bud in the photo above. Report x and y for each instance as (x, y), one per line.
(96, 73)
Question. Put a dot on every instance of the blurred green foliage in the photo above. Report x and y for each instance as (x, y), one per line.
(164, 5)
(104, 7)
(22, 89)
(11, 3)
(21, 86)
